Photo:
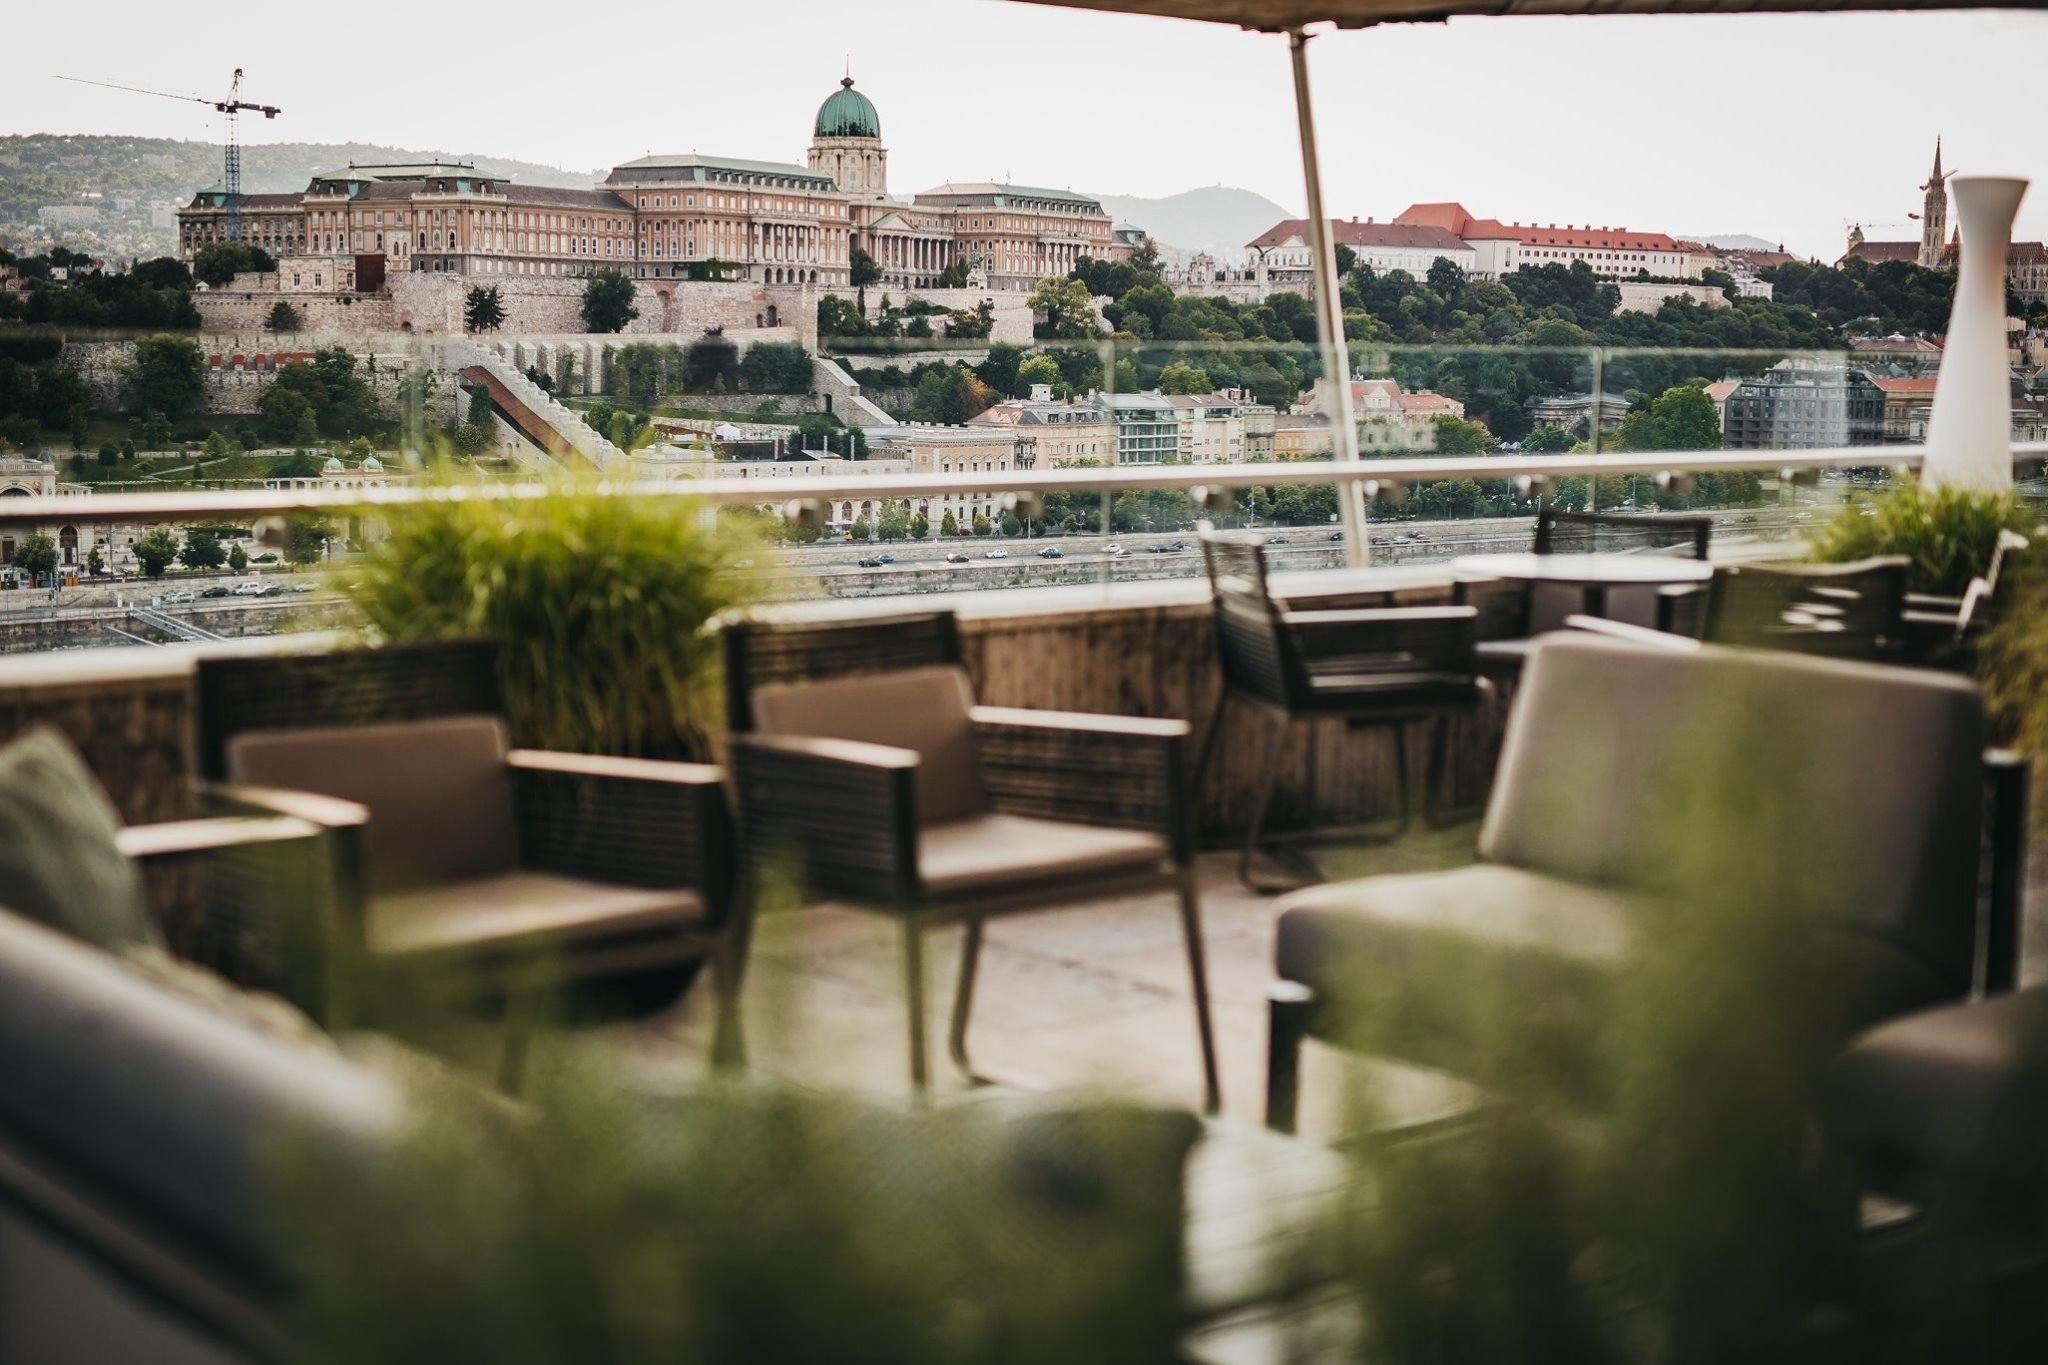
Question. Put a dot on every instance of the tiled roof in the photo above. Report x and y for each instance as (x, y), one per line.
(1721, 388)
(974, 189)
(1602, 238)
(1353, 233)
(553, 196)
(685, 167)
(1883, 251)
(1428, 402)
(1906, 385)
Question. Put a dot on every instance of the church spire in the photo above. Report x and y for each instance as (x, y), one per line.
(1934, 214)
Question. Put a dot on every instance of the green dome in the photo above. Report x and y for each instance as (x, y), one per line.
(848, 113)
(332, 466)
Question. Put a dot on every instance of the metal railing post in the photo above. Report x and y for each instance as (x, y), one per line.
(1329, 311)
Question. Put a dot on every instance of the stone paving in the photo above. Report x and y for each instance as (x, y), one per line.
(1095, 996)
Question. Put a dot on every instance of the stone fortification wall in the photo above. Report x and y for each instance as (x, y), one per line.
(239, 366)
(425, 303)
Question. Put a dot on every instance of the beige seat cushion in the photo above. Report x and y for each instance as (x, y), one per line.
(993, 852)
(924, 710)
(518, 911)
(438, 792)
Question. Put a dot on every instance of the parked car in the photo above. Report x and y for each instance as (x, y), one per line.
(215, 591)
(303, 585)
(249, 589)
(956, 558)
(885, 558)
(1052, 552)
(1276, 540)
(997, 554)
(1116, 552)
(178, 595)
(871, 561)
(271, 590)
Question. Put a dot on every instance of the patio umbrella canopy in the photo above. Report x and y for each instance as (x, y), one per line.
(1278, 15)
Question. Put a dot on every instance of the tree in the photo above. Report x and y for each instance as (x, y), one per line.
(949, 525)
(920, 527)
(202, 550)
(305, 539)
(162, 272)
(608, 302)
(1010, 525)
(283, 318)
(950, 395)
(238, 558)
(108, 455)
(981, 526)
(840, 317)
(1067, 309)
(155, 549)
(167, 376)
(483, 310)
(95, 563)
(81, 427)
(216, 447)
(1548, 441)
(1181, 377)
(893, 523)
(776, 367)
(36, 556)
(218, 264)
(954, 276)
(1041, 369)
(711, 362)
(862, 271)
(1680, 418)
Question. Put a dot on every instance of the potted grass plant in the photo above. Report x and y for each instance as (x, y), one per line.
(599, 604)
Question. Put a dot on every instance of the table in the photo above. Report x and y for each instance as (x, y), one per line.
(1592, 573)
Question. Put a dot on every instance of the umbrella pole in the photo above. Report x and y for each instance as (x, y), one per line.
(1329, 312)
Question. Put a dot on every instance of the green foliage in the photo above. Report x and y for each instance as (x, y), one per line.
(1948, 533)
(2012, 667)
(483, 309)
(166, 376)
(95, 564)
(711, 363)
(838, 317)
(238, 558)
(776, 367)
(36, 555)
(1066, 308)
(155, 549)
(201, 550)
(1043, 369)
(981, 524)
(864, 269)
(1680, 418)
(305, 539)
(218, 263)
(949, 525)
(608, 302)
(1180, 377)
(282, 318)
(216, 447)
(951, 394)
(326, 397)
(741, 1226)
(598, 605)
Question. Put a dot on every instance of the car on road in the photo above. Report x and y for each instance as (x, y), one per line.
(250, 589)
(304, 585)
(1052, 552)
(1276, 540)
(215, 591)
(886, 558)
(1336, 535)
(870, 561)
(997, 554)
(1116, 552)
(178, 595)
(956, 558)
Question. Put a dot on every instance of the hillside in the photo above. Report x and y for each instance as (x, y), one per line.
(139, 182)
(1216, 219)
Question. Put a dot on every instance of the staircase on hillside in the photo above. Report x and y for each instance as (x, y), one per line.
(535, 413)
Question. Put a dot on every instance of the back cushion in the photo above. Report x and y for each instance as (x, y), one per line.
(59, 864)
(1842, 790)
(438, 792)
(921, 709)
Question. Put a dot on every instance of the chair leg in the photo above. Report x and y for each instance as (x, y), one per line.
(1401, 784)
(913, 992)
(728, 969)
(1288, 1005)
(1198, 978)
(1209, 741)
(1268, 779)
(963, 999)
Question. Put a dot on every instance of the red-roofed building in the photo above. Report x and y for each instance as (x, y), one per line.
(1611, 252)
(1282, 258)
(1907, 401)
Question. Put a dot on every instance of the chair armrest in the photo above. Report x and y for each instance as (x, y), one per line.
(1121, 771)
(840, 813)
(329, 812)
(636, 822)
(172, 839)
(2006, 782)
(1679, 609)
(1632, 634)
(1410, 639)
(1933, 601)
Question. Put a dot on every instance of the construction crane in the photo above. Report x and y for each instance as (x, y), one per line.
(232, 106)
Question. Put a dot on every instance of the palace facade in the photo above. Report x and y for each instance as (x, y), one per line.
(679, 217)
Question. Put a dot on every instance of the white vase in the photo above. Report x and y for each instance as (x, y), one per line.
(1969, 433)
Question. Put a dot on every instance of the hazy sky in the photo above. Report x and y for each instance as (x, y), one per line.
(1783, 126)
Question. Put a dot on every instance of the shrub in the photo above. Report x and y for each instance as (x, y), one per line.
(599, 606)
(1948, 533)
